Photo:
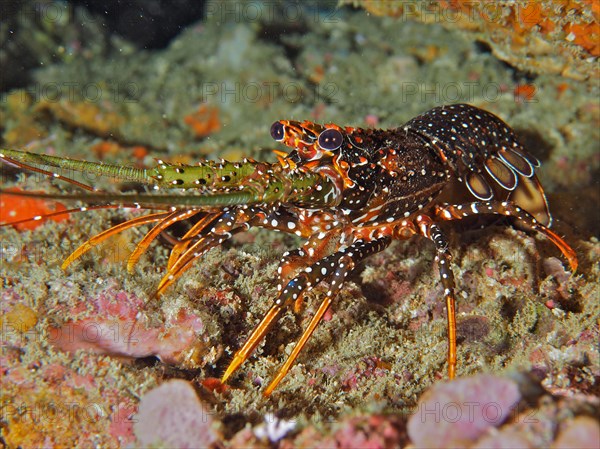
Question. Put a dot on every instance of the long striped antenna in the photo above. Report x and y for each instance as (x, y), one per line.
(205, 185)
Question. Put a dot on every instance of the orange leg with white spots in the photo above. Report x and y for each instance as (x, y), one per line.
(314, 249)
(509, 209)
(334, 268)
(99, 238)
(182, 244)
(209, 233)
(214, 229)
(443, 258)
(143, 244)
(457, 212)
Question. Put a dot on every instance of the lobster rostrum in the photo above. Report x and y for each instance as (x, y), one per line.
(348, 191)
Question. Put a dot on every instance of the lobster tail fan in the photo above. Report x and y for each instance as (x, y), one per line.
(530, 196)
(479, 187)
(501, 173)
(521, 161)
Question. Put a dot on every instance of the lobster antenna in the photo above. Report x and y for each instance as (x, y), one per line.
(33, 161)
(207, 184)
(208, 199)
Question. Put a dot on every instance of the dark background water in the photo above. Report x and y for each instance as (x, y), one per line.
(149, 24)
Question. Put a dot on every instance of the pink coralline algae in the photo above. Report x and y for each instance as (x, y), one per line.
(458, 413)
(121, 426)
(583, 432)
(171, 415)
(114, 330)
(364, 432)
(373, 432)
(369, 367)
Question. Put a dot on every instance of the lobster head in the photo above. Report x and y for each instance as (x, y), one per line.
(311, 140)
(317, 149)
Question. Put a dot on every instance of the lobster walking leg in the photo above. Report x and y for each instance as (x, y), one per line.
(182, 244)
(344, 262)
(207, 234)
(334, 268)
(143, 244)
(443, 258)
(509, 209)
(313, 250)
(99, 238)
(210, 231)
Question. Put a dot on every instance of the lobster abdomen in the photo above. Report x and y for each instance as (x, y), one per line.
(484, 153)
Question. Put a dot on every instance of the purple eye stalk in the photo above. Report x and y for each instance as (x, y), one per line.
(330, 139)
(277, 131)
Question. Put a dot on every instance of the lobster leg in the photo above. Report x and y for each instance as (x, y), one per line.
(313, 250)
(195, 251)
(293, 290)
(214, 229)
(182, 244)
(344, 260)
(209, 234)
(510, 209)
(334, 268)
(443, 258)
(142, 246)
(99, 238)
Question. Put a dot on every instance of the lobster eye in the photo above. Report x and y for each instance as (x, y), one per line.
(330, 139)
(277, 131)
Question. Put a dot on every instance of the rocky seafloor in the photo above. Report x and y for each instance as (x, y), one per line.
(373, 374)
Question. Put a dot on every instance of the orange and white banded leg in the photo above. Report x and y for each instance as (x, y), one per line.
(209, 232)
(508, 209)
(292, 262)
(99, 238)
(334, 268)
(443, 258)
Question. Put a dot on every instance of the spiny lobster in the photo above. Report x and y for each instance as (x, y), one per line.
(348, 191)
